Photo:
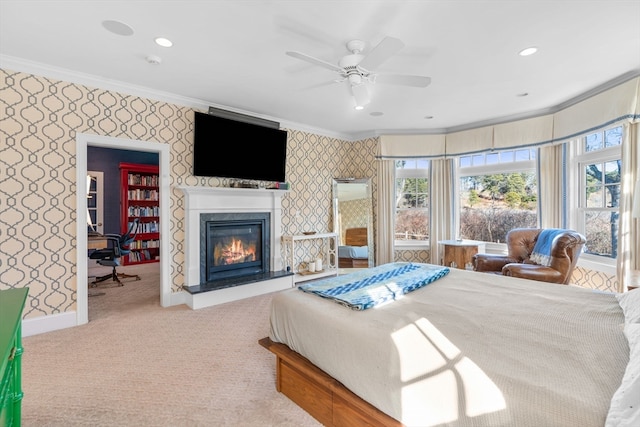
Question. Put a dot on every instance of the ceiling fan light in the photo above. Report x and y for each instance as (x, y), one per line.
(361, 95)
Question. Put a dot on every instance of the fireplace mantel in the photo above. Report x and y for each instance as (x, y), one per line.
(201, 200)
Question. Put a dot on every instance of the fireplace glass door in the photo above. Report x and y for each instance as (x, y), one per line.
(234, 248)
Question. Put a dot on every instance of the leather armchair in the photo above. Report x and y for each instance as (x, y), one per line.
(565, 251)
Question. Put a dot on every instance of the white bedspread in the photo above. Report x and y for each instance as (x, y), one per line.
(470, 349)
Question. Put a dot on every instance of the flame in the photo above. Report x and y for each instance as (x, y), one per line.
(236, 252)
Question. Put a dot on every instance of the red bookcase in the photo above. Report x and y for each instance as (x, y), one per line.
(140, 195)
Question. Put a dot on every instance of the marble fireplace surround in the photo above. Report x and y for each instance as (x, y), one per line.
(204, 200)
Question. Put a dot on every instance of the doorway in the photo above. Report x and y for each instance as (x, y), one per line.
(83, 141)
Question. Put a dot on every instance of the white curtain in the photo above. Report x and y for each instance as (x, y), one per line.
(551, 184)
(386, 212)
(441, 225)
(629, 226)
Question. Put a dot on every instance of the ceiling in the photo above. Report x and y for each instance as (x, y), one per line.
(231, 55)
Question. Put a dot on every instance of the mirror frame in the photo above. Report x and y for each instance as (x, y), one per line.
(369, 212)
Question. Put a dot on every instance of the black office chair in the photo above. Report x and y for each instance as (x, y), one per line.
(110, 256)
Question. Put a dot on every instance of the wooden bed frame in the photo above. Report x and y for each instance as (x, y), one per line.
(321, 395)
(355, 237)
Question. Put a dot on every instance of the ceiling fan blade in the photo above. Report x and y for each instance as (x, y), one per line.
(315, 61)
(404, 80)
(388, 47)
(361, 95)
(322, 84)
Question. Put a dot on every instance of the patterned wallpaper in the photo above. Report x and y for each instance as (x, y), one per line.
(38, 124)
(39, 119)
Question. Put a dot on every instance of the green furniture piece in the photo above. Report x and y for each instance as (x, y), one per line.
(11, 306)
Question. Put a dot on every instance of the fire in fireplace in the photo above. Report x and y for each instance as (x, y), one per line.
(234, 245)
(234, 251)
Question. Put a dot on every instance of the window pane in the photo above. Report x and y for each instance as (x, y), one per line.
(491, 205)
(422, 163)
(465, 161)
(593, 142)
(594, 196)
(598, 227)
(601, 189)
(613, 137)
(492, 158)
(506, 156)
(522, 155)
(412, 225)
(612, 195)
(478, 160)
(412, 201)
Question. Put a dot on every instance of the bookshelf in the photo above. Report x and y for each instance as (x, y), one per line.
(139, 194)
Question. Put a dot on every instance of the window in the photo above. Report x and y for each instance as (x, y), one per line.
(599, 163)
(498, 191)
(412, 202)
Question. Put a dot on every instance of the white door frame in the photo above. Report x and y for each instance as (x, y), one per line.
(82, 142)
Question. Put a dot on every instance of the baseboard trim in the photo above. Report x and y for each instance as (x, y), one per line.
(52, 322)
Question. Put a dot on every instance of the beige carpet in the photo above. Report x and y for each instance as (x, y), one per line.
(138, 364)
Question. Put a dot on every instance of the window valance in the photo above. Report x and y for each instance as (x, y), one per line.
(407, 146)
(617, 104)
(621, 103)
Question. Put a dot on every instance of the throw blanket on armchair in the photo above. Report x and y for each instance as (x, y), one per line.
(374, 286)
(542, 250)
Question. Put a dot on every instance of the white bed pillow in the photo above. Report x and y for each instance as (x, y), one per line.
(630, 303)
(625, 403)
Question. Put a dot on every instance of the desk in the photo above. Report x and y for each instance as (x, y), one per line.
(97, 242)
(457, 253)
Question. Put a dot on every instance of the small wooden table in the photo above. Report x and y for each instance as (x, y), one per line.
(457, 253)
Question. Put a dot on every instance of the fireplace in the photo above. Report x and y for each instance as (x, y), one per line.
(245, 205)
(233, 245)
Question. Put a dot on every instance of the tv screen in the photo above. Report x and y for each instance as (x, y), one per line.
(228, 148)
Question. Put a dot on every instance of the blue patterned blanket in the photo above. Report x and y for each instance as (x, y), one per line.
(374, 286)
(541, 253)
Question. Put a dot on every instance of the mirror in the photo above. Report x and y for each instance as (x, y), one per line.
(353, 221)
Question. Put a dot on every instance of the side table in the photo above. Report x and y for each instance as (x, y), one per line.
(459, 253)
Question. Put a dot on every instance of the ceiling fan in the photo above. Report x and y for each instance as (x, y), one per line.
(358, 69)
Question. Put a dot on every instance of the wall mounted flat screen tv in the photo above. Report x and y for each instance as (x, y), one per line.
(229, 148)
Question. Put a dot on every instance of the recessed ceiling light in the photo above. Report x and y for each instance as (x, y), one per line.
(376, 113)
(428, 117)
(161, 41)
(359, 107)
(117, 27)
(523, 94)
(528, 51)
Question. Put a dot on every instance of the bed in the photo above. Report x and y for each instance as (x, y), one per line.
(468, 349)
(355, 252)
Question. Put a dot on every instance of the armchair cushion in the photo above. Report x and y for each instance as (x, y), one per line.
(533, 272)
(492, 263)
